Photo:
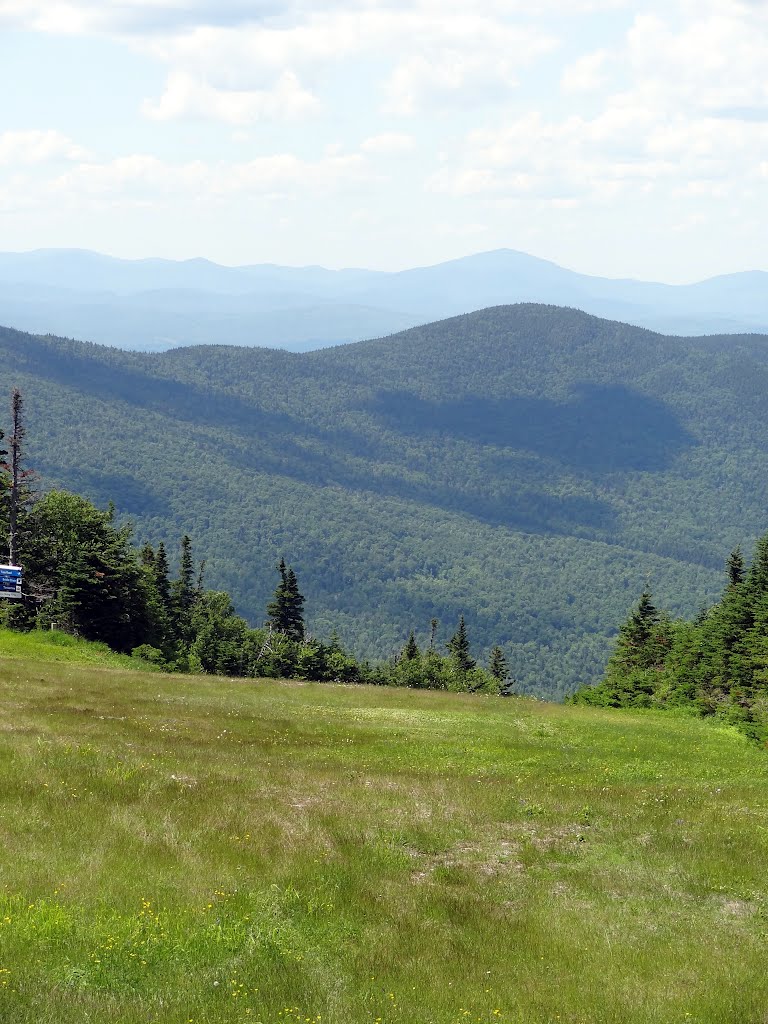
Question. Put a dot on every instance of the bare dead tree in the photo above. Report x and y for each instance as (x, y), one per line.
(17, 473)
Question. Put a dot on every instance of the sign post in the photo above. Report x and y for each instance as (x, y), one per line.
(10, 581)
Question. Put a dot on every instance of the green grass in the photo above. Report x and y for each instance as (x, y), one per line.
(177, 849)
(56, 646)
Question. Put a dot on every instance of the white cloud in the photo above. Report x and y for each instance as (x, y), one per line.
(142, 176)
(186, 96)
(387, 143)
(688, 122)
(665, 103)
(587, 73)
(169, 17)
(76, 17)
(237, 61)
(624, 149)
(462, 60)
(37, 147)
(435, 52)
(716, 59)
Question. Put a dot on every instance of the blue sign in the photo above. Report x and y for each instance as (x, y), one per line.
(10, 581)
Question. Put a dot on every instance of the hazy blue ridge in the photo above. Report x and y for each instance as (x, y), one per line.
(155, 304)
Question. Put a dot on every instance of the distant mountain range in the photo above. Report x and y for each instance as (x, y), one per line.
(154, 304)
(529, 466)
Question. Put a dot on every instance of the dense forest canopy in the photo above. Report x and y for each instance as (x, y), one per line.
(716, 664)
(83, 575)
(527, 466)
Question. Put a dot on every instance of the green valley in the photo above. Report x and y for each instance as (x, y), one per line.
(528, 466)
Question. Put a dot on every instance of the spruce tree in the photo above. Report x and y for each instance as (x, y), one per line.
(183, 592)
(642, 620)
(757, 577)
(183, 588)
(277, 607)
(295, 607)
(636, 647)
(411, 649)
(458, 645)
(162, 581)
(147, 556)
(497, 665)
(286, 609)
(735, 568)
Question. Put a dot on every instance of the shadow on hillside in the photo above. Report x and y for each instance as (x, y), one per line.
(232, 430)
(136, 498)
(599, 429)
(510, 505)
(112, 375)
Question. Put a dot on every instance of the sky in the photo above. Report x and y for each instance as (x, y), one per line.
(614, 138)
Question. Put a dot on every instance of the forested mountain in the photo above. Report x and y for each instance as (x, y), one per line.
(529, 466)
(154, 304)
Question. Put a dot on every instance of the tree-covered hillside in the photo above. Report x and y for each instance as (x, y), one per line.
(529, 466)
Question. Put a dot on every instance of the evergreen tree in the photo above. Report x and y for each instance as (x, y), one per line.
(183, 593)
(277, 607)
(86, 570)
(160, 640)
(411, 650)
(458, 645)
(735, 568)
(497, 665)
(147, 556)
(286, 609)
(334, 645)
(757, 577)
(200, 587)
(634, 647)
(162, 580)
(432, 633)
(295, 607)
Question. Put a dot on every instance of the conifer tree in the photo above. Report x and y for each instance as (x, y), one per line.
(295, 607)
(334, 645)
(277, 607)
(458, 645)
(147, 556)
(497, 665)
(638, 629)
(161, 574)
(183, 588)
(757, 577)
(735, 568)
(411, 649)
(200, 586)
(636, 647)
(286, 609)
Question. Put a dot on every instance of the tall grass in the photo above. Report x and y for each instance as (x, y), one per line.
(54, 645)
(177, 849)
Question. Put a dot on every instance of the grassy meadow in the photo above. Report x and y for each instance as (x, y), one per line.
(179, 850)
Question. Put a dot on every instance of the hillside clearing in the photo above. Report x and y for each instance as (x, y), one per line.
(178, 849)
